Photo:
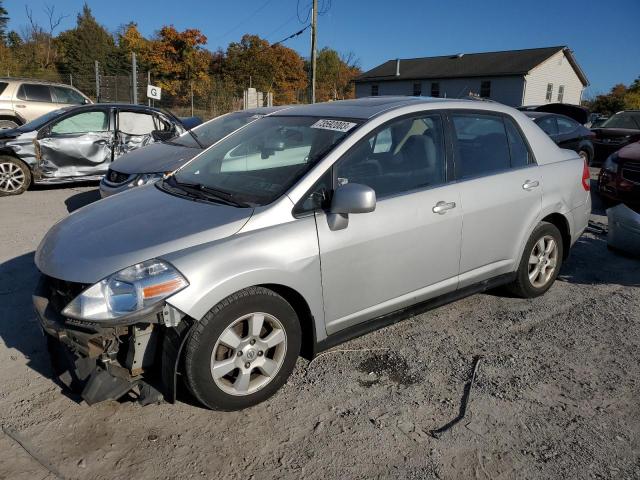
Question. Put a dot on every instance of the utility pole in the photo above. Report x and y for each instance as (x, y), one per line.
(97, 67)
(134, 75)
(314, 27)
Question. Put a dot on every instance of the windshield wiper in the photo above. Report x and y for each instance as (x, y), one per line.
(208, 192)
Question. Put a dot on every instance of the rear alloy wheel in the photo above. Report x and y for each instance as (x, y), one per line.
(541, 262)
(15, 176)
(243, 350)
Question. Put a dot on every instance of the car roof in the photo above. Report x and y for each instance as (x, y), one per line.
(34, 80)
(368, 107)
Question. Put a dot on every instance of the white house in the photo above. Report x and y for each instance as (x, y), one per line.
(514, 77)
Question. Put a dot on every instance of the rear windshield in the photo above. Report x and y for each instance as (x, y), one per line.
(623, 120)
(214, 130)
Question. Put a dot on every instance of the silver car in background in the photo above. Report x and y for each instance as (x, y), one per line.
(302, 230)
(154, 161)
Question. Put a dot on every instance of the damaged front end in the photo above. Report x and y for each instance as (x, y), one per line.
(100, 360)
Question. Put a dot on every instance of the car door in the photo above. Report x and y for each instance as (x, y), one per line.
(408, 249)
(134, 130)
(79, 144)
(500, 189)
(33, 100)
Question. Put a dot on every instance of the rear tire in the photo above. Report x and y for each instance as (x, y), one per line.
(540, 263)
(243, 350)
(15, 176)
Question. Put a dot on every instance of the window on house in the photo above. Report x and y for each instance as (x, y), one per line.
(374, 90)
(417, 89)
(549, 92)
(560, 93)
(435, 89)
(485, 89)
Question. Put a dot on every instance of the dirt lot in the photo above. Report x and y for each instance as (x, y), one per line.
(557, 392)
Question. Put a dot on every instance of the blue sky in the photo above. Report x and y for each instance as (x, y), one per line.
(604, 35)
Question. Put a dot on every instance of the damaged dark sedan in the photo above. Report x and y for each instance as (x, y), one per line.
(78, 143)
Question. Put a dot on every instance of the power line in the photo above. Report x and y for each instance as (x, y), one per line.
(243, 21)
(300, 32)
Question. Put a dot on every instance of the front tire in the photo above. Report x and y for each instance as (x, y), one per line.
(540, 263)
(243, 350)
(15, 176)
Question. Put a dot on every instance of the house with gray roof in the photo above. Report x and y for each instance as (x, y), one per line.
(533, 76)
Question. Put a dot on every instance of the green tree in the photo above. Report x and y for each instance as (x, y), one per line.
(4, 20)
(81, 46)
(335, 74)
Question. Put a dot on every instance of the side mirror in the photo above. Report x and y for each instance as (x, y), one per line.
(350, 198)
(162, 135)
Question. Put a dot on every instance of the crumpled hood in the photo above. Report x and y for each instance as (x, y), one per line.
(157, 157)
(119, 231)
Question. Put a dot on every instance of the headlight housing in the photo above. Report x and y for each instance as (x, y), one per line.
(130, 290)
(145, 178)
(610, 164)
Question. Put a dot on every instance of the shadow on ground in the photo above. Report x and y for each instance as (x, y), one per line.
(19, 328)
(81, 199)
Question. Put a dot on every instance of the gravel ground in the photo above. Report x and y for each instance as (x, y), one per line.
(556, 394)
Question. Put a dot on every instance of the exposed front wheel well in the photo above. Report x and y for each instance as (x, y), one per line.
(11, 118)
(299, 304)
(561, 224)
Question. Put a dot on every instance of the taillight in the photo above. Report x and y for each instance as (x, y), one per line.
(586, 177)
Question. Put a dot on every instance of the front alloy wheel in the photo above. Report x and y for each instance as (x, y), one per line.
(248, 354)
(15, 176)
(243, 350)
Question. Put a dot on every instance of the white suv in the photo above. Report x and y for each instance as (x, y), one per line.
(23, 100)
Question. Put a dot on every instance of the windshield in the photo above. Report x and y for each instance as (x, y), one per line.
(214, 130)
(260, 162)
(623, 120)
(41, 121)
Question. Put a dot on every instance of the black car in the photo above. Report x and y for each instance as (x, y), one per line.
(79, 143)
(566, 132)
(617, 131)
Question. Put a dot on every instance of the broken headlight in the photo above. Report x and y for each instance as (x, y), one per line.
(147, 178)
(130, 290)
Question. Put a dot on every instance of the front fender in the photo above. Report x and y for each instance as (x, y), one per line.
(285, 254)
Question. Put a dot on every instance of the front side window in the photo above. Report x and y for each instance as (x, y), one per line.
(417, 89)
(481, 144)
(84, 122)
(435, 89)
(549, 95)
(412, 157)
(34, 93)
(374, 90)
(136, 123)
(67, 96)
(258, 163)
(485, 89)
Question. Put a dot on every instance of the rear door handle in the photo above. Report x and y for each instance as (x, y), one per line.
(21, 106)
(530, 184)
(442, 207)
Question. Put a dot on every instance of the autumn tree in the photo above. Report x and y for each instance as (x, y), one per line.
(268, 68)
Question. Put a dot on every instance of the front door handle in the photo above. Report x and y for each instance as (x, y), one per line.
(21, 106)
(442, 207)
(530, 185)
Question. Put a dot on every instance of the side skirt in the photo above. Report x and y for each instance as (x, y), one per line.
(374, 324)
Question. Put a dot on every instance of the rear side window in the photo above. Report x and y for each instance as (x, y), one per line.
(566, 125)
(520, 155)
(548, 125)
(481, 144)
(67, 96)
(136, 123)
(34, 93)
(3, 87)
